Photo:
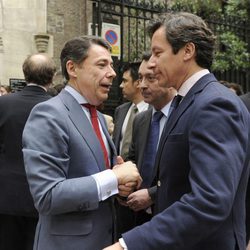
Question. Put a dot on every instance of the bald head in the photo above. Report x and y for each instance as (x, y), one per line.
(39, 69)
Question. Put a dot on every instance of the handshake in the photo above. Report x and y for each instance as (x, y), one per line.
(127, 176)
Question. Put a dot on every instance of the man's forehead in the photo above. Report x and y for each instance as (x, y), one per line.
(146, 71)
(98, 56)
(96, 49)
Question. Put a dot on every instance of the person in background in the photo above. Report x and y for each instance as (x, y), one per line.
(108, 118)
(59, 87)
(18, 216)
(235, 87)
(143, 148)
(246, 99)
(4, 90)
(52, 91)
(122, 117)
(202, 162)
(122, 135)
(70, 159)
(56, 89)
(110, 124)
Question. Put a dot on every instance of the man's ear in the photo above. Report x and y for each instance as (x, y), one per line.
(71, 68)
(189, 51)
(137, 84)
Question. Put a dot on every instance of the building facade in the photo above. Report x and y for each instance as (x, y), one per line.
(31, 26)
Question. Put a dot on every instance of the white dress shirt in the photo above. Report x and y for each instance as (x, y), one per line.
(141, 106)
(106, 181)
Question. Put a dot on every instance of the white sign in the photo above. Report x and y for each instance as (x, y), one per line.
(111, 33)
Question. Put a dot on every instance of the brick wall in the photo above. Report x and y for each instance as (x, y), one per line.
(65, 20)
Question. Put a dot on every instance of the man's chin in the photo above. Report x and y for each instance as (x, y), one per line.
(147, 100)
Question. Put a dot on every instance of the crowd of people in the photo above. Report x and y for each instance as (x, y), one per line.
(170, 171)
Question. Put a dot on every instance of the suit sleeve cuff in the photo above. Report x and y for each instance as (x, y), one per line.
(123, 244)
(107, 184)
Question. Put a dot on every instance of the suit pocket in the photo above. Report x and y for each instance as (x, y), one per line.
(175, 138)
(70, 224)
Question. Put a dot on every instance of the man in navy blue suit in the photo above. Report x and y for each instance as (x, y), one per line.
(202, 160)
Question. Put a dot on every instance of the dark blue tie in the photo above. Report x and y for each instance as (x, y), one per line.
(174, 104)
(150, 150)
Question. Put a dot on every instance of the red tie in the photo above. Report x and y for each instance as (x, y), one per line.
(95, 124)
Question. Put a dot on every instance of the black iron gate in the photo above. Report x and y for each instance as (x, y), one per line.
(132, 16)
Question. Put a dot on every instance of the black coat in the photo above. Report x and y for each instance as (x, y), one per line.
(15, 197)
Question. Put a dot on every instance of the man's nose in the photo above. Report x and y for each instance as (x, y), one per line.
(152, 62)
(143, 84)
(111, 72)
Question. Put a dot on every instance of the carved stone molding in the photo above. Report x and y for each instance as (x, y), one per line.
(42, 42)
(1, 45)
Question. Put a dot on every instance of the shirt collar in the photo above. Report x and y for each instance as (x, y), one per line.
(190, 82)
(37, 85)
(79, 98)
(164, 110)
(142, 106)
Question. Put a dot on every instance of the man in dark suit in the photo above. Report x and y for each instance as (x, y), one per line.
(246, 99)
(122, 133)
(68, 154)
(159, 97)
(202, 162)
(18, 216)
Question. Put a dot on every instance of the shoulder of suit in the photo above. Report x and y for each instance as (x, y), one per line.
(143, 114)
(124, 106)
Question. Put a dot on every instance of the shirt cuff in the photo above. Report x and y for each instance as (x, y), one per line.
(123, 244)
(107, 184)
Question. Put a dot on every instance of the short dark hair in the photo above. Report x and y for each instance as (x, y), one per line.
(182, 28)
(235, 86)
(133, 68)
(77, 48)
(39, 69)
(146, 56)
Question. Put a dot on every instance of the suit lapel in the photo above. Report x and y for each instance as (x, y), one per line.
(84, 127)
(183, 106)
(144, 130)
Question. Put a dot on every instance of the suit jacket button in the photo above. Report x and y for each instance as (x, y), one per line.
(158, 183)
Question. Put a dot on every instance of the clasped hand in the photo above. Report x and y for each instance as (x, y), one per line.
(128, 177)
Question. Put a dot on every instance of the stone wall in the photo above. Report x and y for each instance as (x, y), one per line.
(65, 20)
(20, 21)
(31, 26)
